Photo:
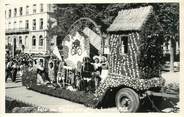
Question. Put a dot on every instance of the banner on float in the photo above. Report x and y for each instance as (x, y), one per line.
(56, 52)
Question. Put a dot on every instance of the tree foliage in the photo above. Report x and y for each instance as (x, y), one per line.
(103, 14)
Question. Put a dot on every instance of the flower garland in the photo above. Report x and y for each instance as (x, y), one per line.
(126, 70)
(116, 80)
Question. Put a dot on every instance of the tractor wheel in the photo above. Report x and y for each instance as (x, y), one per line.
(127, 100)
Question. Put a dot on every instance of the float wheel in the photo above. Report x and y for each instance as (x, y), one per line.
(127, 100)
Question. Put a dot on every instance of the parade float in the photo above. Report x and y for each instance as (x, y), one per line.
(134, 71)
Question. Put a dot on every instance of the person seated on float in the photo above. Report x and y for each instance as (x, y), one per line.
(98, 70)
(40, 70)
(86, 72)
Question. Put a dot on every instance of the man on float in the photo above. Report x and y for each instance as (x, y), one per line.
(40, 70)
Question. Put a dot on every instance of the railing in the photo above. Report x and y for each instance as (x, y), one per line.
(41, 47)
(16, 30)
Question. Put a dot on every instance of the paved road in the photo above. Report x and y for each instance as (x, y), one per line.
(17, 91)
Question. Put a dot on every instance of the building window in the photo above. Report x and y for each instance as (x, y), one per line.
(9, 13)
(15, 24)
(27, 10)
(41, 7)
(26, 40)
(34, 24)
(20, 40)
(34, 8)
(21, 11)
(41, 40)
(27, 24)
(9, 25)
(124, 45)
(15, 12)
(41, 23)
(20, 24)
(33, 41)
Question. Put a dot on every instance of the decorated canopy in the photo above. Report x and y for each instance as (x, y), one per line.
(95, 39)
(131, 19)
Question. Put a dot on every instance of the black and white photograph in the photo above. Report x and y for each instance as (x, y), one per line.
(92, 57)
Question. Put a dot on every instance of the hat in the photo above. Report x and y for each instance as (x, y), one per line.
(96, 57)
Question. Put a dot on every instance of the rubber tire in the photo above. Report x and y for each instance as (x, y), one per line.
(132, 95)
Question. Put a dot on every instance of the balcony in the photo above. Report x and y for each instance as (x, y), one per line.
(17, 31)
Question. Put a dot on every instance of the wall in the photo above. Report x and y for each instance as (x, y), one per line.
(15, 31)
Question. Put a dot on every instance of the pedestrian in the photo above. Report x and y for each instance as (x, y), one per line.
(9, 70)
(21, 67)
(14, 70)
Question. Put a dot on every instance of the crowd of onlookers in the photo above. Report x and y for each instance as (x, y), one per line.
(58, 74)
(13, 67)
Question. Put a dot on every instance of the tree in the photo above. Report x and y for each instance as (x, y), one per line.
(104, 14)
(168, 16)
(51, 32)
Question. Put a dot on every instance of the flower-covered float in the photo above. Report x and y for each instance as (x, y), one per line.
(134, 62)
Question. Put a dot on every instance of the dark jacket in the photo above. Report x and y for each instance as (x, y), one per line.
(87, 70)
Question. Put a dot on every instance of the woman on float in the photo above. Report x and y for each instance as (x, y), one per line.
(98, 70)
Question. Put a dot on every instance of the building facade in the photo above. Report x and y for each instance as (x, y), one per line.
(167, 47)
(27, 27)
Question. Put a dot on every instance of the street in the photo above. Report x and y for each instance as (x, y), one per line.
(19, 92)
(92, 57)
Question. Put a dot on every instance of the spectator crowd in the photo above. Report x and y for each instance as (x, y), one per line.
(56, 73)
